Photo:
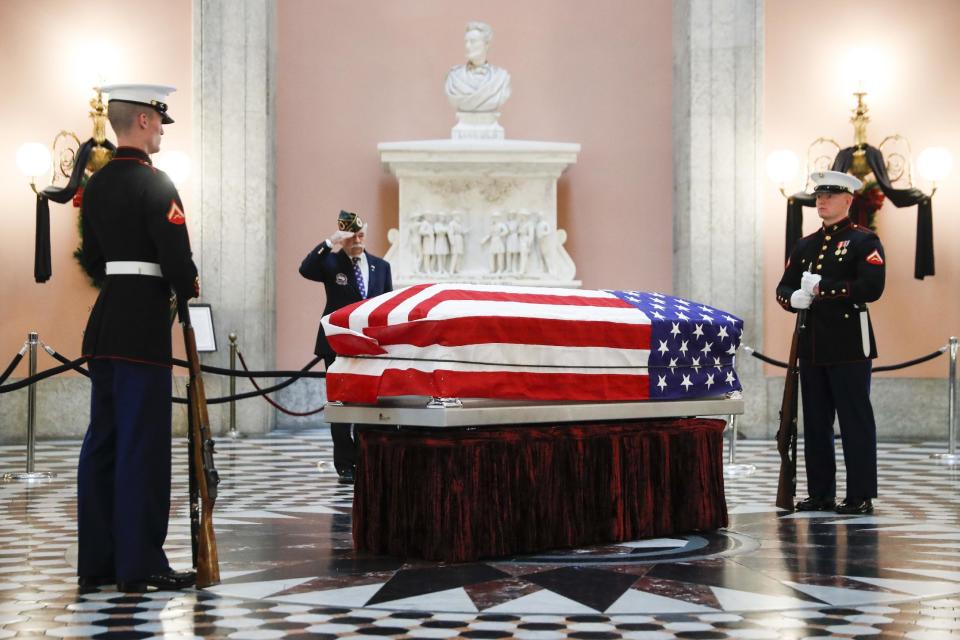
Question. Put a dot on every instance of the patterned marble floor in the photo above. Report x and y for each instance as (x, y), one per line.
(283, 528)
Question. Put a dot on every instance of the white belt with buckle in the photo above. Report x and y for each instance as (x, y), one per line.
(134, 268)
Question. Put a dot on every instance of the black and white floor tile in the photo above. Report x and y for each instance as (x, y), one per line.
(288, 569)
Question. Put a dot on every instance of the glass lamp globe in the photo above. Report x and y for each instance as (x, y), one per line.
(175, 164)
(33, 159)
(782, 166)
(934, 164)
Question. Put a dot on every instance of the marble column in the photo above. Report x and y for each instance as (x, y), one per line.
(234, 48)
(717, 98)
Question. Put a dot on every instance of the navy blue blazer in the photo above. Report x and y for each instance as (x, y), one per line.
(335, 271)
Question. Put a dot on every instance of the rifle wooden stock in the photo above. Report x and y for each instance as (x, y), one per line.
(203, 474)
(787, 433)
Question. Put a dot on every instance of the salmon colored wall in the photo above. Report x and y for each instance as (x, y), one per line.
(808, 94)
(54, 52)
(352, 74)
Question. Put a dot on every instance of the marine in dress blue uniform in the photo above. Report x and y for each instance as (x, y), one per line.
(833, 274)
(349, 274)
(135, 242)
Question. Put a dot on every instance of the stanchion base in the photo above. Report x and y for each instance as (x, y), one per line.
(946, 458)
(32, 476)
(326, 467)
(738, 470)
(234, 435)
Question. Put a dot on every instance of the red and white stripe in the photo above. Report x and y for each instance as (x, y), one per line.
(489, 341)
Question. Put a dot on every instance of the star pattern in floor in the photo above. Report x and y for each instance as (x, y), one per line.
(288, 569)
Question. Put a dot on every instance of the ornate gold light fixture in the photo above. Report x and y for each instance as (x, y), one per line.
(886, 171)
(67, 158)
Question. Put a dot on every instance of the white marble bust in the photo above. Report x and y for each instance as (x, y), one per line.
(477, 86)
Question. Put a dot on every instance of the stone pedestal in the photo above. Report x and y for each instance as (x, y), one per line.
(479, 211)
(477, 126)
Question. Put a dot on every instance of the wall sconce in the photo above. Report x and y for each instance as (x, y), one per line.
(69, 159)
(889, 163)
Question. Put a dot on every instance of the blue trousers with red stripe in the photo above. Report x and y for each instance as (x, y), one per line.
(841, 392)
(123, 477)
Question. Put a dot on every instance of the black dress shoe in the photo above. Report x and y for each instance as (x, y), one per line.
(92, 582)
(169, 581)
(816, 503)
(855, 507)
(346, 476)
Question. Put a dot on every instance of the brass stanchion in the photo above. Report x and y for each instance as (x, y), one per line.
(30, 475)
(233, 434)
(951, 457)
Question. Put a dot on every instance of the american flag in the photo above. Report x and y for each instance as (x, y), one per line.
(530, 343)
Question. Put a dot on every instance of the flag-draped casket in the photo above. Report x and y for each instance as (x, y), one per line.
(530, 343)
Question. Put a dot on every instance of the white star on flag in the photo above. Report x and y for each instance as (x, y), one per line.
(681, 315)
(686, 384)
(729, 379)
(722, 333)
(683, 347)
(675, 331)
(709, 380)
(663, 347)
(662, 383)
(706, 348)
(696, 364)
(698, 331)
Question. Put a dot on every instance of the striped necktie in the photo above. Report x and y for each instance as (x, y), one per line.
(359, 276)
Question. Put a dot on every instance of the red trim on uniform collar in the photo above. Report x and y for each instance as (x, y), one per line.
(131, 153)
(839, 226)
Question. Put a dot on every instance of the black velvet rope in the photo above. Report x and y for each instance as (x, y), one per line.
(889, 367)
(240, 373)
(73, 363)
(254, 394)
(910, 363)
(10, 367)
(43, 375)
(274, 403)
(76, 366)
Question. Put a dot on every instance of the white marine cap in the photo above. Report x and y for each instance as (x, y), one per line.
(834, 182)
(152, 95)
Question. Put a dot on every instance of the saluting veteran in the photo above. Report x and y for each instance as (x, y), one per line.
(833, 274)
(349, 274)
(135, 240)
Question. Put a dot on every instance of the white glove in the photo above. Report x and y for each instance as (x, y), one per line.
(809, 282)
(801, 299)
(336, 240)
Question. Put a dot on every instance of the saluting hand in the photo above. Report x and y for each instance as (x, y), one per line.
(336, 240)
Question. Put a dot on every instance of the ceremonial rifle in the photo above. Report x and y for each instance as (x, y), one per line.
(203, 474)
(787, 434)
